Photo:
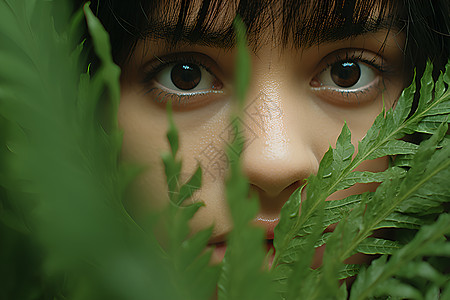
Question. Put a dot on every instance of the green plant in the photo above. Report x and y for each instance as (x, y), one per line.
(65, 233)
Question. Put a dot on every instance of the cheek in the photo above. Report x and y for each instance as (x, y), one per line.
(201, 134)
(144, 139)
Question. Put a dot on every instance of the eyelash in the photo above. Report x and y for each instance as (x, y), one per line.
(158, 66)
(357, 56)
(184, 99)
(178, 99)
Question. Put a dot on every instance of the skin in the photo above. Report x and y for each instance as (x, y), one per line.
(292, 116)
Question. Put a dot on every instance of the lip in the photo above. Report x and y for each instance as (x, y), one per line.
(218, 239)
(218, 252)
(268, 224)
(219, 246)
(219, 249)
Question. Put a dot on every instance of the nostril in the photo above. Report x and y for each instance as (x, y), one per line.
(279, 175)
(285, 178)
(270, 205)
(294, 186)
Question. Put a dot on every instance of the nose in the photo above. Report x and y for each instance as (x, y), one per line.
(279, 154)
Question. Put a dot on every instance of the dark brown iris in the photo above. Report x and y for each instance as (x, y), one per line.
(186, 76)
(345, 74)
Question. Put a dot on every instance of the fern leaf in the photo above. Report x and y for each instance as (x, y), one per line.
(369, 282)
(245, 244)
(62, 168)
(190, 266)
(378, 246)
(398, 220)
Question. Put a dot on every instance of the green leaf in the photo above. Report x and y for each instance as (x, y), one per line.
(195, 278)
(399, 220)
(179, 229)
(378, 246)
(371, 282)
(426, 87)
(189, 188)
(433, 293)
(64, 173)
(337, 209)
(245, 252)
(446, 293)
(288, 216)
(192, 247)
(109, 72)
(245, 244)
(344, 149)
(431, 123)
(333, 258)
(396, 288)
(368, 177)
(304, 254)
(446, 76)
(430, 164)
(423, 270)
(392, 148)
(349, 270)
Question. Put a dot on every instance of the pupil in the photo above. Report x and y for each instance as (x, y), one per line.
(345, 74)
(186, 76)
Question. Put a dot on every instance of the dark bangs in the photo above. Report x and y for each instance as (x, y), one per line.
(303, 22)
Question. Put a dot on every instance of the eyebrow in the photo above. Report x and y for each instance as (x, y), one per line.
(224, 37)
(170, 33)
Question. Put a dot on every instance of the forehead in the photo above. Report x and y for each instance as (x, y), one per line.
(296, 23)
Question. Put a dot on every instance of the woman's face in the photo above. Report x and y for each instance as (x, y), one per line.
(296, 105)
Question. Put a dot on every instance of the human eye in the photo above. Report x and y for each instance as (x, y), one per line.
(187, 80)
(350, 77)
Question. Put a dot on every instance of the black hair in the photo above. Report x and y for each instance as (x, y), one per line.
(425, 23)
